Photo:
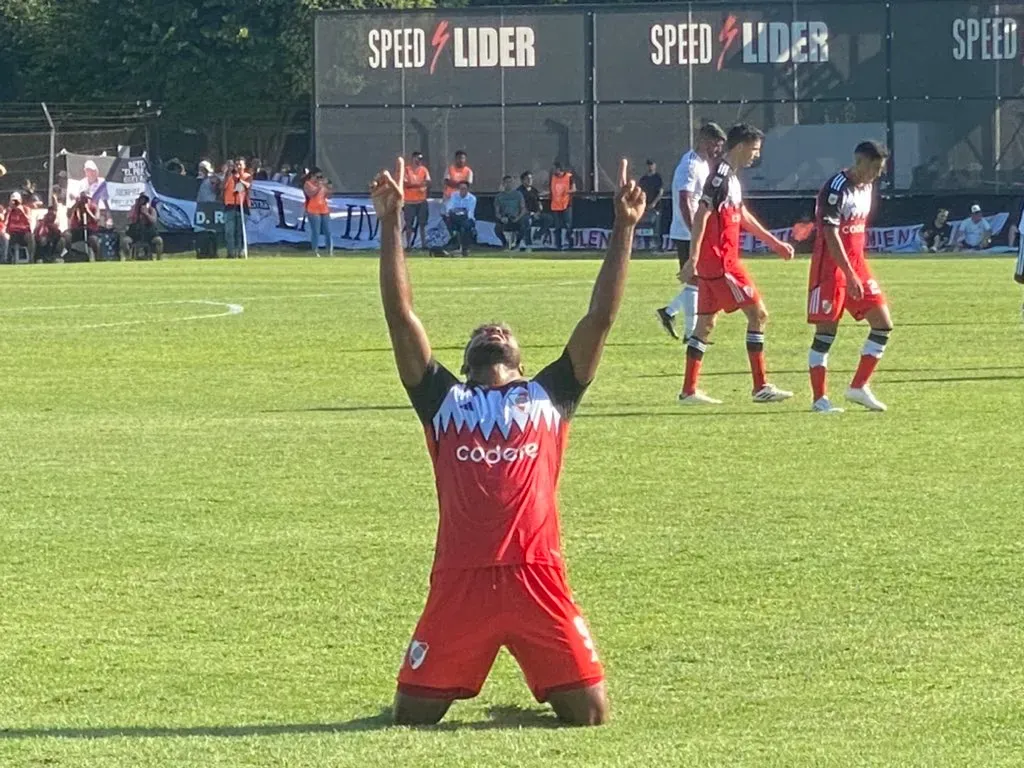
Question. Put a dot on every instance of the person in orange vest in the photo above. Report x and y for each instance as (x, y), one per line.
(562, 186)
(237, 183)
(318, 212)
(417, 187)
(456, 174)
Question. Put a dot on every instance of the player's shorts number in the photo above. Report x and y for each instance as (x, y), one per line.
(588, 641)
(871, 288)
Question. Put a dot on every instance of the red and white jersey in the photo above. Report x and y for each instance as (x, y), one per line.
(497, 455)
(846, 206)
(720, 247)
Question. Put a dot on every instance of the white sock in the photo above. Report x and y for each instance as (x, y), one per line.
(689, 295)
(677, 303)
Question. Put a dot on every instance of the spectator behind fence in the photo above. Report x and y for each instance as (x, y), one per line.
(142, 229)
(4, 239)
(19, 228)
(259, 173)
(318, 212)
(654, 187)
(458, 173)
(531, 196)
(237, 182)
(209, 183)
(936, 236)
(48, 238)
(974, 233)
(83, 226)
(510, 214)
(29, 199)
(562, 186)
(284, 174)
(417, 189)
(461, 216)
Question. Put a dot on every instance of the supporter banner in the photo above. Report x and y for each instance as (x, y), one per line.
(277, 215)
(113, 183)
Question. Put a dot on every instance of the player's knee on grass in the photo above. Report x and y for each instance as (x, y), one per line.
(581, 706)
(415, 710)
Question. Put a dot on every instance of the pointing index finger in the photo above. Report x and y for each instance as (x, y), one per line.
(400, 169)
(623, 172)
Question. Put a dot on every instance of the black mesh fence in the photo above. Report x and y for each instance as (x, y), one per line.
(940, 81)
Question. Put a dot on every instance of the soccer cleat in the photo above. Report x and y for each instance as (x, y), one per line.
(697, 398)
(769, 393)
(864, 396)
(666, 321)
(824, 405)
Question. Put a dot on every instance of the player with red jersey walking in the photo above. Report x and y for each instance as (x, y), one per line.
(723, 284)
(840, 279)
(496, 442)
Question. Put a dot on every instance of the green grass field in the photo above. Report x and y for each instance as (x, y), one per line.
(216, 532)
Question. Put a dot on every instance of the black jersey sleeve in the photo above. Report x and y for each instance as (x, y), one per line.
(559, 381)
(830, 200)
(428, 395)
(716, 188)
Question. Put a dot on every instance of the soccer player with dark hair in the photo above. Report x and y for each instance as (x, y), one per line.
(496, 441)
(840, 279)
(723, 284)
(687, 185)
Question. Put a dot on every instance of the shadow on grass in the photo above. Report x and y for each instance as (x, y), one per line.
(505, 717)
(883, 371)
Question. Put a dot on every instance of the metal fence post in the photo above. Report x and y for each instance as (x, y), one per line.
(890, 128)
(53, 151)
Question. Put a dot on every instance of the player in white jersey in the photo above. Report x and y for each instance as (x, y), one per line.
(687, 186)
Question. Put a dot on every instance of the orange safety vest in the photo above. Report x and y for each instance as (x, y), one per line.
(457, 175)
(561, 197)
(417, 176)
(236, 198)
(316, 199)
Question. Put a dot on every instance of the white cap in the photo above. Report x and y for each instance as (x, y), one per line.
(205, 165)
(15, 197)
(975, 208)
(91, 166)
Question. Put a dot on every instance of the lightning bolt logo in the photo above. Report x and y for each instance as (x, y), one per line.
(439, 41)
(727, 36)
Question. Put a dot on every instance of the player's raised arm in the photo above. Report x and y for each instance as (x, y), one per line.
(758, 230)
(409, 340)
(587, 341)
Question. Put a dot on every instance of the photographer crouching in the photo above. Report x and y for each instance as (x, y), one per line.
(83, 226)
(142, 232)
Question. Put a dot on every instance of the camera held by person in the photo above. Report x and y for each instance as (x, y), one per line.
(83, 226)
(142, 230)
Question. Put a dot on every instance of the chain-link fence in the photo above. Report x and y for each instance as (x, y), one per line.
(28, 154)
(940, 81)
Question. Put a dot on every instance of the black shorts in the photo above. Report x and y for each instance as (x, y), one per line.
(79, 236)
(682, 251)
(20, 238)
(417, 214)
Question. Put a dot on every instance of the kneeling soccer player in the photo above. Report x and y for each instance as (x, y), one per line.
(840, 279)
(497, 442)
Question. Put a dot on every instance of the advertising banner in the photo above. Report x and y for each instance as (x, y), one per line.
(449, 58)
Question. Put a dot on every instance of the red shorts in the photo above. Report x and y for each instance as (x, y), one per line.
(471, 614)
(727, 293)
(827, 300)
